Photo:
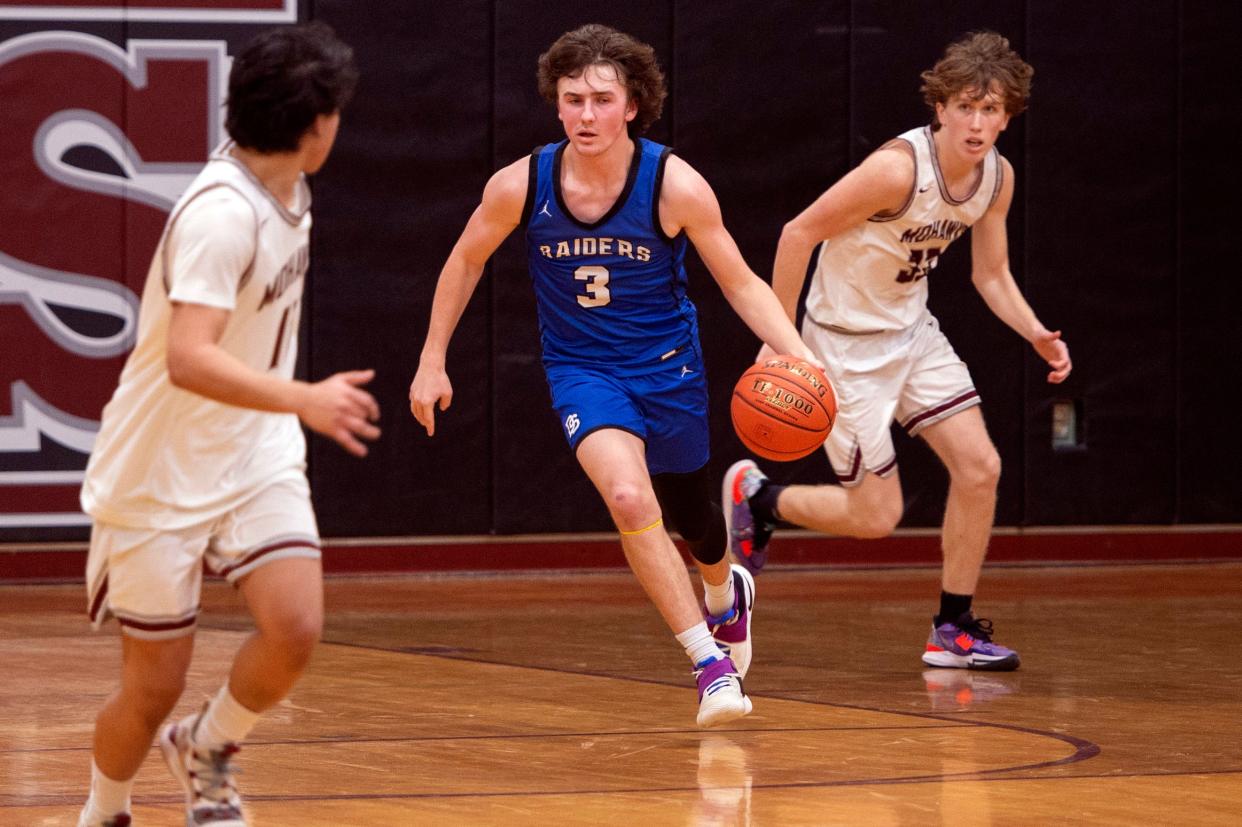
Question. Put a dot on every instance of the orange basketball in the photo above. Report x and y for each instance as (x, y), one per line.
(783, 408)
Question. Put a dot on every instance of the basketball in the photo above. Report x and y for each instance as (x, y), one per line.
(783, 408)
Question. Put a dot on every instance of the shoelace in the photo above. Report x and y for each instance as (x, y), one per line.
(216, 781)
(980, 628)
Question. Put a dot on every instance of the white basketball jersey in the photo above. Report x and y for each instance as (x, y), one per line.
(874, 276)
(167, 458)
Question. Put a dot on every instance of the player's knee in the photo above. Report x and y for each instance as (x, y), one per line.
(630, 506)
(879, 523)
(295, 638)
(153, 675)
(154, 696)
(981, 474)
(877, 517)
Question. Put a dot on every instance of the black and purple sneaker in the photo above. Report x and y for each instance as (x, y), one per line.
(966, 643)
(747, 540)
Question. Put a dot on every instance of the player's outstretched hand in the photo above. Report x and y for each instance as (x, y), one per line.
(340, 409)
(1055, 352)
(431, 385)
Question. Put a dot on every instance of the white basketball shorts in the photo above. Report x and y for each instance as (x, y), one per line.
(911, 376)
(151, 579)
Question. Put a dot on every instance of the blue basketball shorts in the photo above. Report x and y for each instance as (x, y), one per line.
(666, 409)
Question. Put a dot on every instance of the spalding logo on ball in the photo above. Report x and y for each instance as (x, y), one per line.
(783, 408)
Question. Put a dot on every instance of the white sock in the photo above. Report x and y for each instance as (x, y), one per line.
(719, 599)
(699, 644)
(225, 721)
(108, 796)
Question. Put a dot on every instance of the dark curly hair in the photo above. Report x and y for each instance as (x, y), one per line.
(594, 44)
(282, 80)
(981, 62)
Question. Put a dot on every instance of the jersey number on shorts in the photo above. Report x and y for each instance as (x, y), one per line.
(921, 264)
(596, 278)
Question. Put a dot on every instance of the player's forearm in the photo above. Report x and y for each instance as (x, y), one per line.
(453, 291)
(789, 269)
(208, 370)
(1005, 300)
(757, 306)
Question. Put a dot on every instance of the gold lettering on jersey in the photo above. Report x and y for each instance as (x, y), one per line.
(591, 246)
(945, 228)
(290, 274)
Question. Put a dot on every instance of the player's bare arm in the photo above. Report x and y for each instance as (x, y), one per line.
(880, 184)
(499, 212)
(688, 202)
(993, 279)
(336, 407)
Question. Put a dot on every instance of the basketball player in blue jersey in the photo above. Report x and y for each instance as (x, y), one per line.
(608, 217)
(883, 226)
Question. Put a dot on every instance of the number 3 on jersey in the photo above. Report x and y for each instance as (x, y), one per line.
(596, 278)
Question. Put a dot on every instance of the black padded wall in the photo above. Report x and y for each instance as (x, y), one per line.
(772, 105)
(1208, 348)
(413, 154)
(1118, 233)
(1101, 264)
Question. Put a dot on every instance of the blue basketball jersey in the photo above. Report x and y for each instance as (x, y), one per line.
(611, 293)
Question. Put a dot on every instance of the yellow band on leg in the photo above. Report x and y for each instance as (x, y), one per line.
(659, 522)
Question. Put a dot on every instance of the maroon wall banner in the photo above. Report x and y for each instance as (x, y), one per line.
(102, 132)
(222, 11)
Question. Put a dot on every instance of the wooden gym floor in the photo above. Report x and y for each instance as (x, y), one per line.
(559, 699)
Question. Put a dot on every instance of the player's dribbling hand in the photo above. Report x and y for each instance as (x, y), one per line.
(340, 409)
(1055, 352)
(430, 385)
(804, 353)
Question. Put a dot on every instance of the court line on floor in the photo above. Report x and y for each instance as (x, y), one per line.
(1083, 749)
(154, 800)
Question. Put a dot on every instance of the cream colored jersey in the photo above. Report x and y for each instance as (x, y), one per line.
(874, 276)
(167, 458)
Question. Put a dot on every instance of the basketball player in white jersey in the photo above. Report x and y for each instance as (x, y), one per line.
(200, 454)
(884, 225)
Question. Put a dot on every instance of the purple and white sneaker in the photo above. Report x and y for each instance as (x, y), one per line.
(747, 541)
(966, 643)
(731, 630)
(721, 696)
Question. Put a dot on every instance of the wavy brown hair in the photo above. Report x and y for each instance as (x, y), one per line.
(981, 62)
(595, 44)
